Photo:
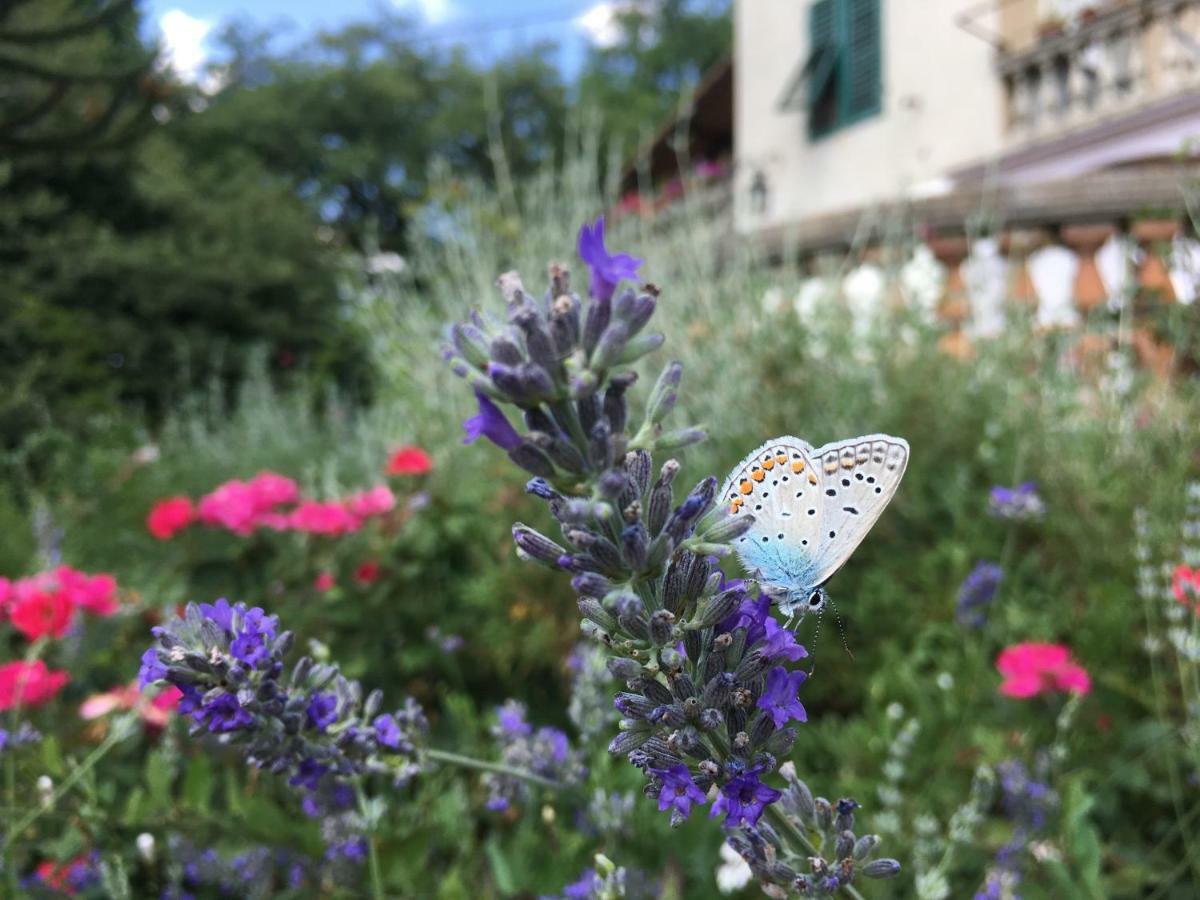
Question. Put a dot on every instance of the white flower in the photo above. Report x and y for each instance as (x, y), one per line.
(145, 846)
(734, 873)
(945, 681)
(895, 711)
(772, 300)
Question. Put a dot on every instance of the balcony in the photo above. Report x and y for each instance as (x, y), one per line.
(1119, 58)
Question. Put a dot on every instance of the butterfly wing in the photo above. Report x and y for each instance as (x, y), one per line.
(778, 483)
(857, 478)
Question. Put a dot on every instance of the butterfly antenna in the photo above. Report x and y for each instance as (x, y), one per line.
(841, 628)
(816, 634)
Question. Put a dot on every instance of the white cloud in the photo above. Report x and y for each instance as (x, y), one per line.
(184, 37)
(601, 24)
(432, 12)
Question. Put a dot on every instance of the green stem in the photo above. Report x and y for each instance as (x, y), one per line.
(781, 819)
(470, 762)
(372, 844)
(118, 732)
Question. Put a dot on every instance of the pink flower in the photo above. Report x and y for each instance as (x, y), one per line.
(409, 460)
(375, 502)
(1186, 582)
(155, 713)
(95, 593)
(317, 517)
(1035, 668)
(367, 572)
(324, 582)
(170, 516)
(270, 490)
(28, 684)
(230, 506)
(40, 610)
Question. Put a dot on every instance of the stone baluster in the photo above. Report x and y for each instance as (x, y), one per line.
(1085, 240)
(1154, 237)
(954, 309)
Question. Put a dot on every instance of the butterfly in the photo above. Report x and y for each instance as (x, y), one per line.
(811, 508)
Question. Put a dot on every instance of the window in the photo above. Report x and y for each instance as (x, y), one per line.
(844, 69)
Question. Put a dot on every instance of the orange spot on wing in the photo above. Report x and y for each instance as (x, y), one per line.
(758, 475)
(768, 464)
(745, 487)
(781, 458)
(798, 466)
(812, 479)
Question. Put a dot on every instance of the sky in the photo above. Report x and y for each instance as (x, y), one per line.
(487, 26)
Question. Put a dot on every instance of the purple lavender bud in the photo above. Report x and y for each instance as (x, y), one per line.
(710, 719)
(564, 324)
(536, 546)
(589, 584)
(679, 438)
(865, 846)
(664, 394)
(611, 347)
(661, 497)
(637, 468)
(539, 487)
(537, 341)
(727, 528)
(718, 690)
(505, 351)
(634, 706)
(635, 546)
(635, 310)
(661, 624)
(598, 316)
(507, 381)
(675, 580)
(628, 741)
(612, 483)
(561, 453)
(600, 445)
(590, 609)
(536, 383)
(532, 460)
(845, 813)
(881, 868)
(622, 668)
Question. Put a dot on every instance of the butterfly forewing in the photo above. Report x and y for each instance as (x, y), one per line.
(778, 484)
(857, 479)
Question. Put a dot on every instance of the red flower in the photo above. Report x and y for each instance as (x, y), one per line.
(62, 877)
(95, 593)
(170, 516)
(28, 684)
(367, 572)
(409, 460)
(324, 582)
(37, 612)
(1186, 582)
(1034, 668)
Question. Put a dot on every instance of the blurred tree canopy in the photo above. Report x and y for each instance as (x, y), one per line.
(153, 231)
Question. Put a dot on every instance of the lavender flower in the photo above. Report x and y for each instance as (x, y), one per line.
(779, 699)
(1019, 504)
(492, 424)
(1028, 804)
(313, 726)
(590, 708)
(607, 268)
(976, 594)
(545, 752)
(744, 798)
(678, 792)
(24, 735)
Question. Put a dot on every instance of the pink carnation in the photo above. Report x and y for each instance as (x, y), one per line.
(409, 460)
(28, 683)
(170, 516)
(154, 712)
(1034, 668)
(324, 582)
(270, 490)
(375, 502)
(230, 506)
(39, 609)
(95, 593)
(317, 517)
(1186, 584)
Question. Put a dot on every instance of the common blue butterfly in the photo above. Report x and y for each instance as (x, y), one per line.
(811, 509)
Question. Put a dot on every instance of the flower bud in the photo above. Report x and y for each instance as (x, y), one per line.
(640, 346)
(727, 528)
(664, 394)
(598, 315)
(624, 669)
(627, 741)
(635, 546)
(470, 344)
(537, 546)
(881, 868)
(505, 351)
(717, 609)
(611, 347)
(532, 460)
(591, 610)
(678, 439)
(865, 846)
(844, 846)
(661, 623)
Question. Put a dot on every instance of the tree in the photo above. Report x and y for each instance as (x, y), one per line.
(662, 50)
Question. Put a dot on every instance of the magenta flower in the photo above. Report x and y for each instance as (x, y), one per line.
(607, 268)
(779, 698)
(743, 798)
(678, 790)
(1034, 668)
(490, 423)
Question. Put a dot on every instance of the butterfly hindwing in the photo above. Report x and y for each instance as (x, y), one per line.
(778, 484)
(858, 478)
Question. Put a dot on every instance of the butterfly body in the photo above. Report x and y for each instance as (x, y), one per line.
(812, 507)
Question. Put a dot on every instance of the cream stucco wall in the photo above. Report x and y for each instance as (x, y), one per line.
(942, 110)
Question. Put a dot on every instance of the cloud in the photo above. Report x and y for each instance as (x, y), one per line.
(184, 37)
(601, 23)
(432, 12)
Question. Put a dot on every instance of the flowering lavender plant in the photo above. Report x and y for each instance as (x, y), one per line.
(1019, 504)
(711, 701)
(546, 752)
(976, 594)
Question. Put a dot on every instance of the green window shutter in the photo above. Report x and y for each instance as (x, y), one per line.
(863, 68)
(824, 57)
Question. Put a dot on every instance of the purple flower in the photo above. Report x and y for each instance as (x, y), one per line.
(607, 268)
(220, 612)
(678, 790)
(780, 642)
(581, 889)
(977, 591)
(751, 615)
(556, 745)
(152, 669)
(1019, 504)
(223, 714)
(308, 775)
(257, 629)
(322, 711)
(387, 732)
(491, 423)
(779, 698)
(512, 719)
(743, 798)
